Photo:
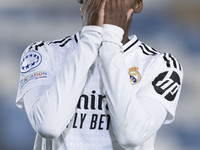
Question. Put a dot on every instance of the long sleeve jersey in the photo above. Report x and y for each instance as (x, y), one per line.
(89, 91)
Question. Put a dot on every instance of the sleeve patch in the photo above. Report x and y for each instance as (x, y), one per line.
(35, 76)
(30, 60)
(167, 84)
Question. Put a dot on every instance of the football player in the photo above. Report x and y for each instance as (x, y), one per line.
(99, 89)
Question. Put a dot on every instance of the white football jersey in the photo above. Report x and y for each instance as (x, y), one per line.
(153, 74)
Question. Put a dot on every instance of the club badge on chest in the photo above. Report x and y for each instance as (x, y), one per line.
(134, 75)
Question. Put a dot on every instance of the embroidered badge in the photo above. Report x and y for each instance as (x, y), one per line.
(30, 60)
(134, 75)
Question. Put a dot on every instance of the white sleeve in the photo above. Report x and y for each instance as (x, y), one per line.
(34, 70)
(50, 108)
(134, 118)
(164, 84)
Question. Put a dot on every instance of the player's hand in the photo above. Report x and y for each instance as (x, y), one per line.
(93, 12)
(117, 14)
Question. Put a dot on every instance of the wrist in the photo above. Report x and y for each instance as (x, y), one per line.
(92, 28)
(113, 34)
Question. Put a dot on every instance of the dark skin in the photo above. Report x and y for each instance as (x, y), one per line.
(114, 12)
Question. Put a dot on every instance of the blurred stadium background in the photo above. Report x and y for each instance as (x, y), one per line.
(167, 25)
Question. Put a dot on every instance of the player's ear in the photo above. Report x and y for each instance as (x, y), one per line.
(138, 6)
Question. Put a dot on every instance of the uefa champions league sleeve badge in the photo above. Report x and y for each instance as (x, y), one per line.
(30, 61)
(134, 75)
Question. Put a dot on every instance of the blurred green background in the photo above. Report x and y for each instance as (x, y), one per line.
(167, 25)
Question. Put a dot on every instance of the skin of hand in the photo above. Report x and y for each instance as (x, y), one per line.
(116, 12)
(92, 12)
(119, 13)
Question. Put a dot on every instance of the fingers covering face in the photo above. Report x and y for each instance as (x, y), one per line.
(115, 4)
(102, 5)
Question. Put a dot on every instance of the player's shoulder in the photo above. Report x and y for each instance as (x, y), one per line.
(48, 52)
(170, 61)
(139, 48)
(64, 43)
(164, 59)
(54, 45)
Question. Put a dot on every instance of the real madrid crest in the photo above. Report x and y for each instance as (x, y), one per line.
(134, 75)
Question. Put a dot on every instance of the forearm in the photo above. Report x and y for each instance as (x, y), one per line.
(132, 122)
(51, 111)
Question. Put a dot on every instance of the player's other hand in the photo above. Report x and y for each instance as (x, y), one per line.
(93, 12)
(117, 14)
